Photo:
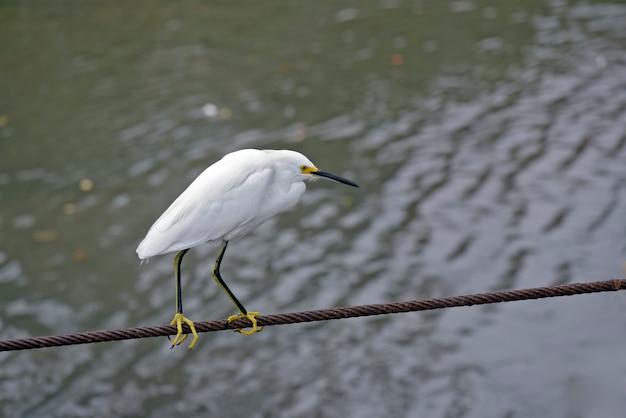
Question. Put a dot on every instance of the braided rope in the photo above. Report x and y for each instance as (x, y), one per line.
(319, 315)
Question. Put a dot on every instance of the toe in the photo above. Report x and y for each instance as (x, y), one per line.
(250, 316)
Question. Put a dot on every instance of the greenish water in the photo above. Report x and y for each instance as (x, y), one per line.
(490, 143)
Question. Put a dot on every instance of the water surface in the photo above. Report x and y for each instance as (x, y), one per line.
(490, 144)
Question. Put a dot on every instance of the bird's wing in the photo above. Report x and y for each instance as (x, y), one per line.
(223, 198)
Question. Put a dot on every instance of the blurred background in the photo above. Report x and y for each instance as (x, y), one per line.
(489, 140)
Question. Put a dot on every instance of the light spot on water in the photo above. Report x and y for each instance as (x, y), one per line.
(85, 185)
(69, 208)
(462, 6)
(225, 113)
(210, 110)
(346, 15)
(23, 221)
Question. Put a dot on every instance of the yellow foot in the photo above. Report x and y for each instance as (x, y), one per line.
(250, 316)
(178, 320)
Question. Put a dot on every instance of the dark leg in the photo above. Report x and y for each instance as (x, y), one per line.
(178, 260)
(179, 318)
(251, 316)
(218, 278)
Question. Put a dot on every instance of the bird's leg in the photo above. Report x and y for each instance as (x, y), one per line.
(244, 314)
(179, 318)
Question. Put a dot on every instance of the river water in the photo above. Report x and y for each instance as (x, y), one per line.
(489, 141)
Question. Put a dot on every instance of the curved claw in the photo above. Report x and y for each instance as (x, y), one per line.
(250, 316)
(178, 320)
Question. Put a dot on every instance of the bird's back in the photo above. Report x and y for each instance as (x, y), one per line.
(227, 200)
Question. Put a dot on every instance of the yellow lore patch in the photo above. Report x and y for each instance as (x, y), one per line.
(308, 170)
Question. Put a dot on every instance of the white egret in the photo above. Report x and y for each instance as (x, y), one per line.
(227, 200)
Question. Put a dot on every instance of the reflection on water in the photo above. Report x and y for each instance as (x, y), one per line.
(490, 144)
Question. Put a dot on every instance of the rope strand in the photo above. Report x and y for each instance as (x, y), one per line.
(319, 315)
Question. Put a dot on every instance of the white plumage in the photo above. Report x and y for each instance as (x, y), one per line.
(227, 200)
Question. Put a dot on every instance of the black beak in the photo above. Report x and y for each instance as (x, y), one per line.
(335, 178)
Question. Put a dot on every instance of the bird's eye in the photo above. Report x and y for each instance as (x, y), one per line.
(303, 168)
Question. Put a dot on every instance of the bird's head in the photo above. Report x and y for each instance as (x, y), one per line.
(313, 173)
(304, 169)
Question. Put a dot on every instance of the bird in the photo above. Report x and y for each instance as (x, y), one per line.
(226, 201)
